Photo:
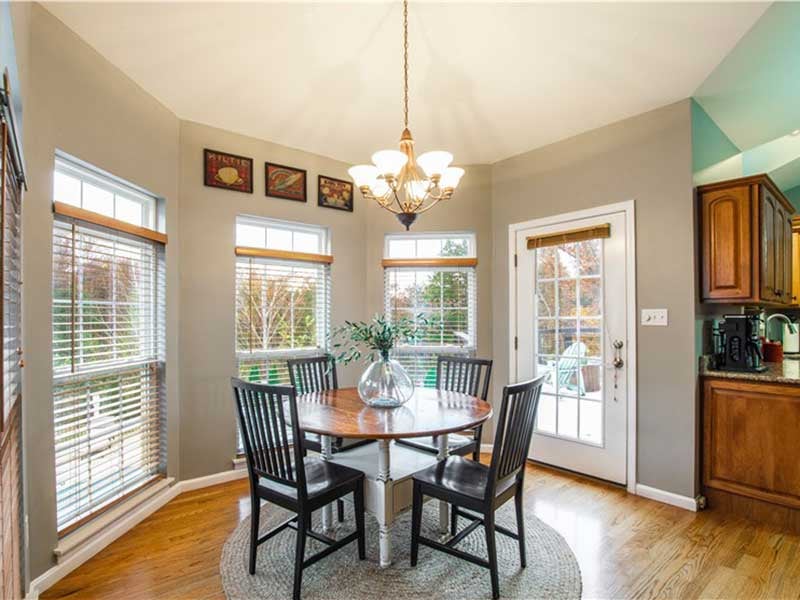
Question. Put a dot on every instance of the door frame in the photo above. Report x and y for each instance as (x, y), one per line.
(626, 207)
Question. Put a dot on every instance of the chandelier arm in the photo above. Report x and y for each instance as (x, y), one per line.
(405, 62)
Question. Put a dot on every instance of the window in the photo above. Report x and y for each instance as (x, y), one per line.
(283, 289)
(108, 347)
(86, 188)
(432, 275)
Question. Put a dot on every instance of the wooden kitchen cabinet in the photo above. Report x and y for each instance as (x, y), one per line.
(745, 242)
(795, 259)
(750, 435)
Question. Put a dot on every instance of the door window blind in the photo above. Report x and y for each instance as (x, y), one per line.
(11, 492)
(12, 290)
(108, 366)
(445, 296)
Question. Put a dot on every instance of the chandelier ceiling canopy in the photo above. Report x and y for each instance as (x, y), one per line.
(398, 180)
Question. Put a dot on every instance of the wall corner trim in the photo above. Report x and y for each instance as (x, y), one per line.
(684, 502)
(121, 526)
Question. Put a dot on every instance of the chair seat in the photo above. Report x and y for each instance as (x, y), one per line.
(461, 476)
(456, 444)
(321, 476)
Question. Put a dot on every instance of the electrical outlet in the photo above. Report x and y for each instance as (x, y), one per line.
(654, 317)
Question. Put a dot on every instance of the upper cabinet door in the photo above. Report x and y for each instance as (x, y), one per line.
(771, 233)
(727, 246)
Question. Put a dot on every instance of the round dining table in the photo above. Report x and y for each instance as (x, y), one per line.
(388, 466)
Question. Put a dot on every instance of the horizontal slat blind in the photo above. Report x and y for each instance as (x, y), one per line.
(12, 269)
(282, 311)
(108, 353)
(447, 299)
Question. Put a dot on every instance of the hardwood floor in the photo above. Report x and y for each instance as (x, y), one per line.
(627, 547)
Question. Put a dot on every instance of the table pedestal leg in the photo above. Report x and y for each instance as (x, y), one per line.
(385, 516)
(327, 510)
(444, 508)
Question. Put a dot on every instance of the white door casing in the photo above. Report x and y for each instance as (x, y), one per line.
(564, 322)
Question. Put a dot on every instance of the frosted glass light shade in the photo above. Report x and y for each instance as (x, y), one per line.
(389, 162)
(380, 188)
(451, 177)
(416, 190)
(364, 175)
(435, 162)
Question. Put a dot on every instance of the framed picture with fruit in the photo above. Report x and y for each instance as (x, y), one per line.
(335, 193)
(285, 182)
(227, 171)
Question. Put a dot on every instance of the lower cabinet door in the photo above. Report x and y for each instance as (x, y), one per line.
(751, 433)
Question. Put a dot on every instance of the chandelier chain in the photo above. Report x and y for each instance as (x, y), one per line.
(405, 62)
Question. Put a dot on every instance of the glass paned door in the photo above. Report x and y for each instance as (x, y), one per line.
(571, 314)
(569, 339)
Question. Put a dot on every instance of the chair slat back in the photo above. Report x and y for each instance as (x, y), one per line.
(309, 375)
(514, 430)
(464, 375)
(268, 432)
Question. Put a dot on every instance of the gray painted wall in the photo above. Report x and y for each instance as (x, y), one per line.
(81, 104)
(207, 219)
(647, 159)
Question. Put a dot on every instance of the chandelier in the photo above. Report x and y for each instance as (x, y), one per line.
(401, 182)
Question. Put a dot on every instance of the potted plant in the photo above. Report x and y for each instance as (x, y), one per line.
(385, 383)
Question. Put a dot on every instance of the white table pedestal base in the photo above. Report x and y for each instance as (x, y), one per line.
(388, 488)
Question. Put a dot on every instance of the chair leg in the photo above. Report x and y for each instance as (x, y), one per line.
(255, 514)
(476, 453)
(416, 522)
(358, 503)
(453, 519)
(491, 550)
(299, 553)
(520, 526)
(340, 510)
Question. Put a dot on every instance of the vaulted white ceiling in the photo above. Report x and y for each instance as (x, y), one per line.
(488, 80)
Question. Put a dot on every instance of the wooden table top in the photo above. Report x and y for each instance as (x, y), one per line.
(341, 413)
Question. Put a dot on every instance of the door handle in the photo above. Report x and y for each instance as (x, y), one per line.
(618, 362)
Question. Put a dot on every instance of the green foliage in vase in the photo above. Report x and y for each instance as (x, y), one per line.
(357, 340)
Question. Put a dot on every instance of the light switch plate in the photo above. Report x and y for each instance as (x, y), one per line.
(654, 317)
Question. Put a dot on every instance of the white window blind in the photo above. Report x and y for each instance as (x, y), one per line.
(282, 305)
(108, 366)
(444, 295)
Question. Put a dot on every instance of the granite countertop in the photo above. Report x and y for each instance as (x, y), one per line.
(787, 371)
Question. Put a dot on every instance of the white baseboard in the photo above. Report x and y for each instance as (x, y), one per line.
(209, 480)
(684, 502)
(98, 542)
(487, 448)
(78, 556)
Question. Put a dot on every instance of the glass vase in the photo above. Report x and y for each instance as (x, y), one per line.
(385, 384)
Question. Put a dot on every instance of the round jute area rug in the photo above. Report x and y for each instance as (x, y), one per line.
(552, 570)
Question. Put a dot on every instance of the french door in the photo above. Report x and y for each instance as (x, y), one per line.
(571, 302)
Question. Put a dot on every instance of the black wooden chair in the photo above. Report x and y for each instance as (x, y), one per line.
(317, 374)
(284, 476)
(470, 485)
(467, 376)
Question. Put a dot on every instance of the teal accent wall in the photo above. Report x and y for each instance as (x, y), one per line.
(710, 145)
(794, 197)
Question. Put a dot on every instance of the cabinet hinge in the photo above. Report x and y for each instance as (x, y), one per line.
(516, 343)
(515, 261)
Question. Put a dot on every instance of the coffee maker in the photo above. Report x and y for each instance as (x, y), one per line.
(737, 344)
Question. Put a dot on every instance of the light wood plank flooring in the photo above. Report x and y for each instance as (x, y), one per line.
(627, 546)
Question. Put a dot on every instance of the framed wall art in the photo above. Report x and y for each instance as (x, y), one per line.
(335, 193)
(227, 171)
(285, 182)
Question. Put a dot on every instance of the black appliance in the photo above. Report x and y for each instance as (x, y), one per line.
(737, 345)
